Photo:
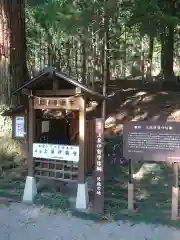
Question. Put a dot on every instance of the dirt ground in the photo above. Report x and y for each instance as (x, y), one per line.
(19, 221)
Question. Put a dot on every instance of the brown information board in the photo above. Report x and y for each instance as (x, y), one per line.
(99, 166)
(151, 141)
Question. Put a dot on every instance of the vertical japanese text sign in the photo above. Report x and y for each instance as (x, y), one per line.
(99, 166)
(19, 127)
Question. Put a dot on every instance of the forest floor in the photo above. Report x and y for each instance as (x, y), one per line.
(20, 221)
(145, 103)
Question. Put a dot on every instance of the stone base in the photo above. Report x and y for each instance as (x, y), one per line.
(30, 190)
(82, 199)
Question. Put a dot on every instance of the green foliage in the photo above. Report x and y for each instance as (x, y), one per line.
(65, 26)
(152, 16)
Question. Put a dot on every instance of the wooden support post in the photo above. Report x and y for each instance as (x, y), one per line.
(31, 131)
(30, 189)
(130, 188)
(82, 199)
(175, 192)
(82, 137)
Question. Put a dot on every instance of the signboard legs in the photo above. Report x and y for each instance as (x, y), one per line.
(130, 188)
(175, 192)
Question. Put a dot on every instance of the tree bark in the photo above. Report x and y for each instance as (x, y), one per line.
(151, 48)
(106, 73)
(150, 56)
(106, 48)
(167, 45)
(4, 55)
(15, 13)
(84, 70)
(168, 54)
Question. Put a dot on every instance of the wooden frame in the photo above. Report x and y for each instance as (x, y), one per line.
(66, 94)
(69, 103)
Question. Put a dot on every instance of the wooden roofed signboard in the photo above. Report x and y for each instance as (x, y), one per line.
(53, 83)
(152, 141)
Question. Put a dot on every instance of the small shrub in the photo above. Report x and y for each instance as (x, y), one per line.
(10, 151)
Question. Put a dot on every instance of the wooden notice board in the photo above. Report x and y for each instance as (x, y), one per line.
(152, 141)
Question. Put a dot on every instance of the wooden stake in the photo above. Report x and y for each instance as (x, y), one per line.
(130, 188)
(175, 193)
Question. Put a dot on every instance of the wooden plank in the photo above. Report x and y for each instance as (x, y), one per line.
(62, 92)
(55, 170)
(82, 137)
(55, 107)
(70, 103)
(54, 178)
(54, 162)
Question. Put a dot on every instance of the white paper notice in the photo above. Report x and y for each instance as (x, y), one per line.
(55, 151)
(19, 127)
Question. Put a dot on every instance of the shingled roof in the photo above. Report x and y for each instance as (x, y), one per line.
(64, 81)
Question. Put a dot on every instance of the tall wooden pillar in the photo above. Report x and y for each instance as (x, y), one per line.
(30, 189)
(31, 132)
(82, 137)
(82, 199)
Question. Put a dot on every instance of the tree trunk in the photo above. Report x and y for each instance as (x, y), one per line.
(15, 13)
(76, 58)
(149, 59)
(124, 61)
(169, 54)
(106, 48)
(4, 54)
(106, 73)
(167, 43)
(68, 57)
(93, 60)
(162, 39)
(84, 70)
(142, 57)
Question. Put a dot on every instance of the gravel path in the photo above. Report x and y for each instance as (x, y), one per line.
(19, 222)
